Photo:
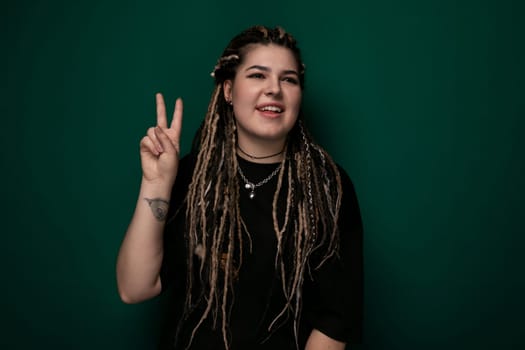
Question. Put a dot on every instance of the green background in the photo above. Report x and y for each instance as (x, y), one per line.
(422, 102)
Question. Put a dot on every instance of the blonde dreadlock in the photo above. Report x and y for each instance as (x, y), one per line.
(214, 223)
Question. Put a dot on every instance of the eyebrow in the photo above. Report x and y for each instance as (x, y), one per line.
(266, 69)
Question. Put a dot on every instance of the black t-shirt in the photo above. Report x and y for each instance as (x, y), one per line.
(332, 296)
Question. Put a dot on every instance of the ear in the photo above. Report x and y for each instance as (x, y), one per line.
(227, 88)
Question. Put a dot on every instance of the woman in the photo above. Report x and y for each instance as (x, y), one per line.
(257, 230)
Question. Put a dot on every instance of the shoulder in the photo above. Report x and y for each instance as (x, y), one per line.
(350, 222)
(183, 180)
(347, 184)
(345, 178)
(186, 166)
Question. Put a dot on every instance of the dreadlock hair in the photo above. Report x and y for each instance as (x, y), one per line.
(215, 227)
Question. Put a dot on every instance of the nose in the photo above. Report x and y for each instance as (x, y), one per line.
(273, 88)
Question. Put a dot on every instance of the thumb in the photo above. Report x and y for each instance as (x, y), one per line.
(165, 141)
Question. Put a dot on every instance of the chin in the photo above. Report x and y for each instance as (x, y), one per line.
(274, 134)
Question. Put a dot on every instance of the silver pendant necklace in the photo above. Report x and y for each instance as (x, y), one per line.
(251, 186)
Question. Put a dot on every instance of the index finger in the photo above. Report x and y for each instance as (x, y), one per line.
(161, 111)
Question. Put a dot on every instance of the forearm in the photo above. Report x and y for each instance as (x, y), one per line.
(140, 256)
(320, 341)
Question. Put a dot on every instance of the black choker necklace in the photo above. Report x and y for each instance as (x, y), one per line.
(263, 157)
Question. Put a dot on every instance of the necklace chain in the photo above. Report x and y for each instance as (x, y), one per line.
(259, 157)
(251, 186)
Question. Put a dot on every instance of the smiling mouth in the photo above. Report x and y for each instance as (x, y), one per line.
(273, 109)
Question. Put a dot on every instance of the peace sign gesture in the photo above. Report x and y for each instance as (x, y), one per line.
(160, 148)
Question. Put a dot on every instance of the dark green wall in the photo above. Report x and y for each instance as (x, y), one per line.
(421, 101)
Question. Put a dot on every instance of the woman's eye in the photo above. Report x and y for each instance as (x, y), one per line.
(291, 80)
(256, 76)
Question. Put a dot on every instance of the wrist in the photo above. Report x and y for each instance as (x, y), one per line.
(156, 196)
(160, 189)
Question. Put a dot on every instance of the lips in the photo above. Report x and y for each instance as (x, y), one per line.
(270, 109)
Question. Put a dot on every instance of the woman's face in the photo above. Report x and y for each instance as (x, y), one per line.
(265, 93)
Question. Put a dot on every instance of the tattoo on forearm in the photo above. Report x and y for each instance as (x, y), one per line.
(159, 207)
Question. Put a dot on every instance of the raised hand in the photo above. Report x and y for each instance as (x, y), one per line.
(160, 148)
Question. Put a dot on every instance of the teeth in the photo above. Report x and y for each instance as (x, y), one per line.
(271, 109)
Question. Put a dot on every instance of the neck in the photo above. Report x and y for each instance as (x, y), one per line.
(270, 152)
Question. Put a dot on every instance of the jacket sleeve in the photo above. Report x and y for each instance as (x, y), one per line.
(336, 297)
(174, 255)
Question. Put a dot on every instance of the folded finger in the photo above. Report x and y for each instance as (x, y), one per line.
(153, 136)
(146, 144)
